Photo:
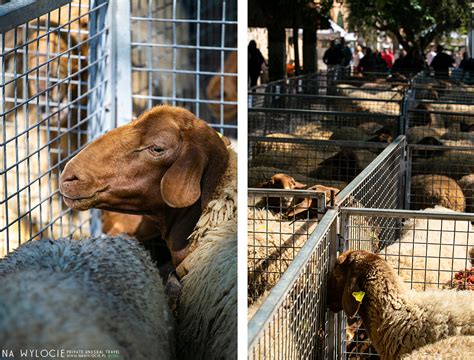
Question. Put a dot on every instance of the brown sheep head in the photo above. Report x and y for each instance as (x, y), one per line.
(346, 278)
(282, 181)
(167, 158)
(229, 92)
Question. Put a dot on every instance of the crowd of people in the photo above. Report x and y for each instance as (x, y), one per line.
(365, 60)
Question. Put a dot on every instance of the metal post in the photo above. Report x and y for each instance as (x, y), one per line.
(121, 62)
(333, 328)
(408, 165)
(471, 30)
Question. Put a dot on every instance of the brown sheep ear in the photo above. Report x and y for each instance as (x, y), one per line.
(349, 303)
(181, 185)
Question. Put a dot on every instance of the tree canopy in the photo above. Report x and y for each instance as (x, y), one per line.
(288, 12)
(415, 23)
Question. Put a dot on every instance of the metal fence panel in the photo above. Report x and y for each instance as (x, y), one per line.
(275, 235)
(292, 322)
(185, 53)
(432, 250)
(439, 120)
(51, 67)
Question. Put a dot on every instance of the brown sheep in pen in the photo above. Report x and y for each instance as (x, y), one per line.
(307, 207)
(423, 115)
(430, 190)
(173, 168)
(279, 181)
(229, 93)
(398, 321)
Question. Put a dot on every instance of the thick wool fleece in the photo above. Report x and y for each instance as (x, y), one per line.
(452, 348)
(97, 293)
(207, 310)
(399, 321)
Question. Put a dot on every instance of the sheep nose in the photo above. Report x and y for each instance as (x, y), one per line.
(70, 177)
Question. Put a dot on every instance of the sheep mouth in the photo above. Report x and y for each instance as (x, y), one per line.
(82, 202)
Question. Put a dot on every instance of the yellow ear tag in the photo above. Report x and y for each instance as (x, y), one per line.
(358, 295)
(218, 133)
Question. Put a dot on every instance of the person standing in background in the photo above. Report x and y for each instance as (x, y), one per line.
(358, 55)
(346, 50)
(368, 63)
(255, 63)
(441, 62)
(430, 56)
(333, 56)
(388, 57)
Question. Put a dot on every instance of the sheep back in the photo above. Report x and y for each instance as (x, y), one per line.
(453, 347)
(430, 190)
(112, 278)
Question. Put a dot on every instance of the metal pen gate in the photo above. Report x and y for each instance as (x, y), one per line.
(71, 70)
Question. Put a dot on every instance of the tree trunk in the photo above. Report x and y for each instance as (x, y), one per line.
(276, 52)
(296, 47)
(309, 50)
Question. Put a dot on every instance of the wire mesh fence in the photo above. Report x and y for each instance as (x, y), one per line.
(433, 250)
(438, 128)
(272, 328)
(323, 125)
(50, 67)
(324, 162)
(293, 323)
(185, 53)
(279, 223)
(69, 73)
(318, 92)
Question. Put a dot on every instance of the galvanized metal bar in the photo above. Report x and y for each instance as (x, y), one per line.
(15, 13)
(325, 143)
(333, 332)
(329, 97)
(285, 192)
(318, 112)
(121, 61)
(408, 214)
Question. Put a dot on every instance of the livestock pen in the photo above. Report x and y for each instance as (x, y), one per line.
(438, 125)
(72, 70)
(429, 248)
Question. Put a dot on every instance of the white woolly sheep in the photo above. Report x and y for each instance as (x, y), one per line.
(453, 348)
(430, 251)
(430, 190)
(397, 321)
(273, 242)
(99, 293)
(312, 131)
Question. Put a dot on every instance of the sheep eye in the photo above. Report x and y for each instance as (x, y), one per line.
(156, 149)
